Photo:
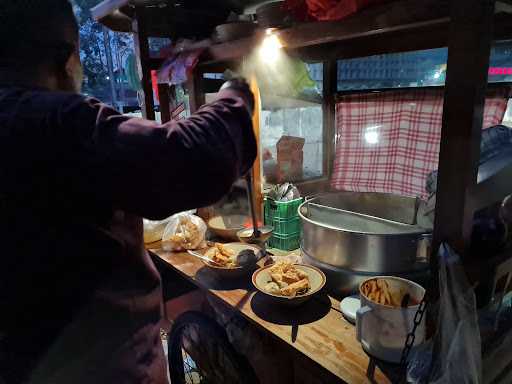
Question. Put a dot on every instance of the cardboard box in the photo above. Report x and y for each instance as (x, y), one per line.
(290, 158)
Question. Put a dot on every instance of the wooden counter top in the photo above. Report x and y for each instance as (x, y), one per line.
(317, 329)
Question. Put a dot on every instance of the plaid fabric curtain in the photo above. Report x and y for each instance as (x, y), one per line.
(389, 141)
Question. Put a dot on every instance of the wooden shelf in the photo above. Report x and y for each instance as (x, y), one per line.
(271, 102)
(163, 17)
(320, 42)
(320, 336)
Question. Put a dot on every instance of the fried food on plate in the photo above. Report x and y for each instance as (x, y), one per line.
(222, 255)
(297, 288)
(378, 290)
(287, 280)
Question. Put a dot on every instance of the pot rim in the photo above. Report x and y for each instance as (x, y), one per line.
(389, 277)
(420, 232)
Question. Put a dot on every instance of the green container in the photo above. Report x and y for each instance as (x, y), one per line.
(284, 242)
(284, 226)
(282, 210)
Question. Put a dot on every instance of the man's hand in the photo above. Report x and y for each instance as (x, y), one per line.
(240, 85)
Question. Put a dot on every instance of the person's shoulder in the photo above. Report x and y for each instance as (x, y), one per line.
(59, 100)
(66, 100)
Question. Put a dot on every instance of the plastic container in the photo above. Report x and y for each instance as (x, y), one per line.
(281, 210)
(285, 242)
(286, 226)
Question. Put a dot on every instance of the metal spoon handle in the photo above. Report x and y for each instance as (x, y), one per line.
(255, 231)
(204, 258)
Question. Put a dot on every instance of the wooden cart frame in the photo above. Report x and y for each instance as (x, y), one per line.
(466, 27)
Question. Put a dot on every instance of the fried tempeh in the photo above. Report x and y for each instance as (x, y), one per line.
(292, 289)
(291, 277)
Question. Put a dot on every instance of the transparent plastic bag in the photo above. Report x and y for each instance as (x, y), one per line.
(184, 231)
(458, 356)
(154, 229)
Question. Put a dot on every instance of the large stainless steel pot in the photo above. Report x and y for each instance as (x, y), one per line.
(364, 232)
(342, 282)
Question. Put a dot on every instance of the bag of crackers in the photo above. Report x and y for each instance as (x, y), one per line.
(183, 232)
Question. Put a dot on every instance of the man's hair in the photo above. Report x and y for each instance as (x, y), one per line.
(35, 32)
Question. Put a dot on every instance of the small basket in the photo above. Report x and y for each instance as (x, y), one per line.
(281, 210)
(284, 226)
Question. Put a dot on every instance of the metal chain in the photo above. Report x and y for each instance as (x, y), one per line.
(411, 337)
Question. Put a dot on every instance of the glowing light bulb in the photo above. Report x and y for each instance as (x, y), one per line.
(371, 135)
(270, 48)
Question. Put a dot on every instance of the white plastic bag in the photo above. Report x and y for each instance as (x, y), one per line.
(184, 231)
(458, 353)
(154, 229)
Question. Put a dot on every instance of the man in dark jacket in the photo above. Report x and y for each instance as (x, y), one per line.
(80, 299)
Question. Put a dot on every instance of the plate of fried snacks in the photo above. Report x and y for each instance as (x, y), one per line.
(289, 283)
(231, 259)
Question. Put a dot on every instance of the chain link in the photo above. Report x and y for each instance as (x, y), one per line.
(411, 337)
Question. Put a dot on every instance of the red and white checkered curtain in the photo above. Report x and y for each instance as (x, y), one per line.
(389, 141)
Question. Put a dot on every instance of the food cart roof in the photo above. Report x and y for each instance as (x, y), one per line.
(167, 15)
(392, 27)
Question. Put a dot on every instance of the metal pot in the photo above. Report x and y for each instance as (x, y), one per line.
(383, 329)
(364, 232)
(343, 282)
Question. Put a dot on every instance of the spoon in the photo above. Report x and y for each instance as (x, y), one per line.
(256, 232)
(405, 300)
(204, 258)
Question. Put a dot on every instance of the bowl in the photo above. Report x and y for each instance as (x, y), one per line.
(239, 271)
(227, 226)
(272, 15)
(245, 235)
(235, 30)
(317, 280)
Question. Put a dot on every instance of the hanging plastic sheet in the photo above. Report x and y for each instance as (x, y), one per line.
(471, 346)
(178, 66)
(327, 9)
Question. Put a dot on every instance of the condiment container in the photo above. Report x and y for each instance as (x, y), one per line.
(383, 329)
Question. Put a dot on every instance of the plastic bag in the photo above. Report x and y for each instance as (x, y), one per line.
(154, 229)
(337, 9)
(459, 355)
(184, 231)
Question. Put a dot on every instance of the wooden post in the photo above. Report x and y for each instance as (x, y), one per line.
(466, 83)
(165, 102)
(195, 91)
(256, 169)
(142, 51)
(330, 87)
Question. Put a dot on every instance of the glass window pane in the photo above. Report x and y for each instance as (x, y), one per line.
(292, 131)
(414, 69)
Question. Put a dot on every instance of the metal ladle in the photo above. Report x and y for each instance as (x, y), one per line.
(256, 232)
(257, 235)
